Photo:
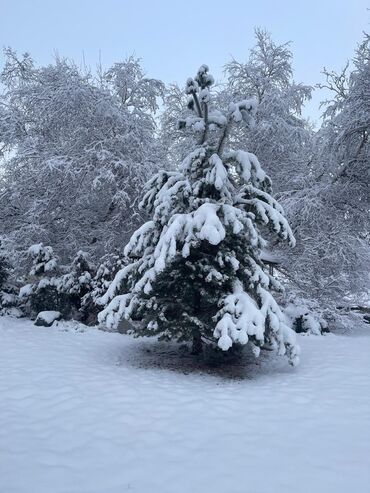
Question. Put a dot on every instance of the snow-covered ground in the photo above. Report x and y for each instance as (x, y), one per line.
(95, 412)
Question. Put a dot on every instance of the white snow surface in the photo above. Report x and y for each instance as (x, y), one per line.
(86, 411)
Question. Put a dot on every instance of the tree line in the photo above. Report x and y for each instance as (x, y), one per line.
(77, 149)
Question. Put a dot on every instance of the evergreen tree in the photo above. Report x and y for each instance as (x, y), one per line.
(77, 283)
(4, 267)
(195, 271)
(110, 264)
(8, 296)
(54, 287)
(41, 292)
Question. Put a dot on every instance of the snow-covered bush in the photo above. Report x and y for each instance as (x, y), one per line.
(303, 319)
(195, 270)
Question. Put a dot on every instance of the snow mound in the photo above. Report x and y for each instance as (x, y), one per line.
(47, 318)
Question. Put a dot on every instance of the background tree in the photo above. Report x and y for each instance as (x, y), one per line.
(8, 289)
(280, 132)
(329, 210)
(76, 151)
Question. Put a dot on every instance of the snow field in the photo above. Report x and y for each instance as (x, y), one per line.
(92, 412)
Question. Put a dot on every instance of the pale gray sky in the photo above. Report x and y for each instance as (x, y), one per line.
(174, 38)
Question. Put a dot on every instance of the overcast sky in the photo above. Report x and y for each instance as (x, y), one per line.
(174, 37)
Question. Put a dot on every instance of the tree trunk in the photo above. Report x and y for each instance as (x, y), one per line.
(197, 346)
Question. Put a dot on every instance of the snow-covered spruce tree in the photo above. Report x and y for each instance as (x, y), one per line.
(110, 264)
(195, 271)
(77, 283)
(40, 293)
(8, 296)
(4, 267)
